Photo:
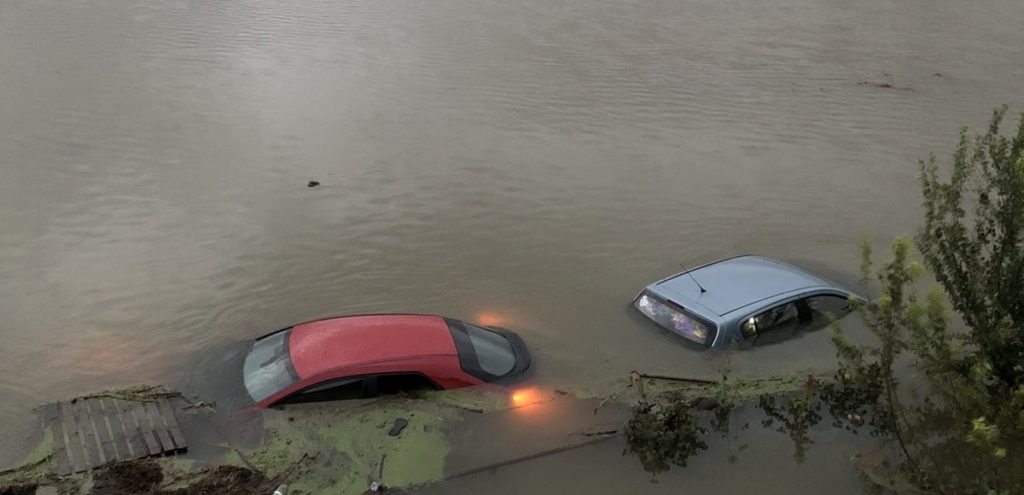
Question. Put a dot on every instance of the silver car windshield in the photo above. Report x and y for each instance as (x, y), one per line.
(268, 367)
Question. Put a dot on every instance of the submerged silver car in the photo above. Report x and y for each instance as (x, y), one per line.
(745, 299)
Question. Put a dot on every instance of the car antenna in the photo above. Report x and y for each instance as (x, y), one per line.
(702, 289)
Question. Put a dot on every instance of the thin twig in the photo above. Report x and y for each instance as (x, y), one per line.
(702, 381)
(601, 433)
(604, 401)
(530, 457)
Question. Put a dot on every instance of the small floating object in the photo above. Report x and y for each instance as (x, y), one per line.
(313, 183)
(396, 429)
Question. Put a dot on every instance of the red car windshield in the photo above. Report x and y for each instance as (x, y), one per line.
(268, 367)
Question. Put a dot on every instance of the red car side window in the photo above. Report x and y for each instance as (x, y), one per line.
(362, 388)
(399, 383)
(341, 389)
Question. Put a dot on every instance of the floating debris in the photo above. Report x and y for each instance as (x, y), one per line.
(396, 429)
(29, 489)
(146, 476)
(91, 431)
(884, 85)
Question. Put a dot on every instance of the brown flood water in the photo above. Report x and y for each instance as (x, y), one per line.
(527, 163)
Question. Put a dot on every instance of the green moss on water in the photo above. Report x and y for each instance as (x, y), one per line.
(139, 393)
(731, 390)
(625, 392)
(41, 454)
(474, 399)
(618, 389)
(318, 449)
(37, 466)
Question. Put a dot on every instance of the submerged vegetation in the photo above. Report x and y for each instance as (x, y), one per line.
(665, 433)
(670, 422)
(345, 453)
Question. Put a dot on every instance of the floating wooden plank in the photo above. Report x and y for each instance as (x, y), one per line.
(117, 433)
(103, 436)
(131, 429)
(50, 416)
(60, 452)
(93, 456)
(122, 434)
(167, 411)
(146, 427)
(72, 438)
(89, 432)
(49, 413)
(161, 429)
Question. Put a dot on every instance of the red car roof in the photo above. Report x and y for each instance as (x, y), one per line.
(324, 345)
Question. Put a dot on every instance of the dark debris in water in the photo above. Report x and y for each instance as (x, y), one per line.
(227, 480)
(126, 478)
(396, 429)
(884, 85)
(18, 490)
(146, 477)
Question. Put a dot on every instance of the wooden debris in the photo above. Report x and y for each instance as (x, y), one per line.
(91, 431)
(699, 381)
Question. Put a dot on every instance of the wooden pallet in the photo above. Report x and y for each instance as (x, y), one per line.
(89, 432)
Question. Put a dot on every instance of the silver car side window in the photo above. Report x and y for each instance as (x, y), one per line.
(772, 319)
(833, 305)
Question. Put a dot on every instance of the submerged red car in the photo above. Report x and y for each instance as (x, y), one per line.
(364, 356)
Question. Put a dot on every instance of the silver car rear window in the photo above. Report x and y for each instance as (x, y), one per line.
(674, 318)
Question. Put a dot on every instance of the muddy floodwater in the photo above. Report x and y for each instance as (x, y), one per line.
(530, 164)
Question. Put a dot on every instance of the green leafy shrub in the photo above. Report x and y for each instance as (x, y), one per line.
(963, 430)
